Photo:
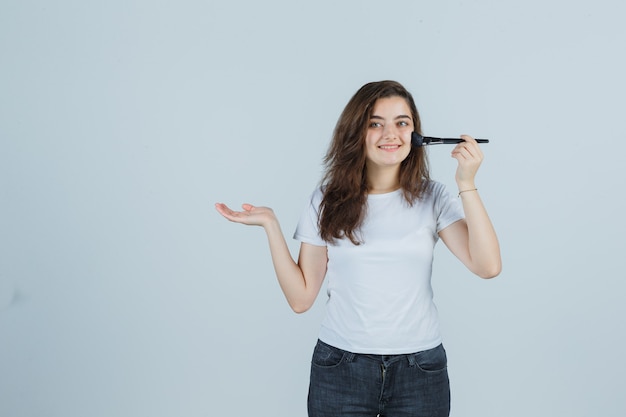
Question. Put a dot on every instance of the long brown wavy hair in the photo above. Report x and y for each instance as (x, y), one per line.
(344, 183)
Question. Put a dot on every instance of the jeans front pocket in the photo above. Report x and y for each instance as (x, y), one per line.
(327, 356)
(431, 360)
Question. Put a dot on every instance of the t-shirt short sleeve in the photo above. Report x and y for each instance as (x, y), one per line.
(448, 208)
(307, 230)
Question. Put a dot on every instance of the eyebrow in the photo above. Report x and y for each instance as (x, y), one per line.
(401, 116)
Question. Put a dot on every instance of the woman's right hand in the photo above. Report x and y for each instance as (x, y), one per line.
(251, 215)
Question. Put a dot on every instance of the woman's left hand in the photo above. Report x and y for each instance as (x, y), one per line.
(469, 156)
(473, 240)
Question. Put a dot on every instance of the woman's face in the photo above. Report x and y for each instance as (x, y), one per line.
(388, 140)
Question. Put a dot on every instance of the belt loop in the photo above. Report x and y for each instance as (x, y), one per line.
(411, 358)
(349, 357)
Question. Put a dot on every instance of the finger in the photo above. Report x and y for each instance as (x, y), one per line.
(468, 150)
(222, 208)
(225, 211)
(472, 145)
(247, 206)
(462, 153)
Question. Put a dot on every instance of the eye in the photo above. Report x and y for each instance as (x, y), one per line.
(403, 123)
(375, 124)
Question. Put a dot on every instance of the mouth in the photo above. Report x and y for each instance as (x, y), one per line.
(389, 148)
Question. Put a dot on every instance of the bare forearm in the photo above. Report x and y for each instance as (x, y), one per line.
(299, 281)
(484, 248)
(289, 274)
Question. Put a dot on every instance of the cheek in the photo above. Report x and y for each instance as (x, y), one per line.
(407, 151)
(371, 137)
(370, 142)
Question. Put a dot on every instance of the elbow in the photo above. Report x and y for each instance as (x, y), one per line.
(301, 303)
(490, 272)
(300, 307)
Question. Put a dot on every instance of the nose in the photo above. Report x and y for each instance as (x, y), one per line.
(390, 131)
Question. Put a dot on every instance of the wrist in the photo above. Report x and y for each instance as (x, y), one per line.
(271, 224)
(466, 185)
(467, 190)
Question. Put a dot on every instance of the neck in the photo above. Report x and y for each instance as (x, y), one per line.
(383, 180)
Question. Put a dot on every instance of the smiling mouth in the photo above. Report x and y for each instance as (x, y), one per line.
(388, 147)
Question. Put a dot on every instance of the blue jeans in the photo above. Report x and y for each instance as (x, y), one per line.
(351, 384)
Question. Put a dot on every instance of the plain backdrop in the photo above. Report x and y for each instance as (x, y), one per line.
(124, 293)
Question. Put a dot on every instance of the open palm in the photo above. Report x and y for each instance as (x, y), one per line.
(251, 215)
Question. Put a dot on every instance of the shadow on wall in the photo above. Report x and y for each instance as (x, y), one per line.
(9, 295)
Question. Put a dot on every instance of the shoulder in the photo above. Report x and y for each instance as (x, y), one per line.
(440, 198)
(434, 190)
(317, 195)
(435, 186)
(315, 199)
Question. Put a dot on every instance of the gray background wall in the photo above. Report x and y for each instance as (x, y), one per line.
(122, 291)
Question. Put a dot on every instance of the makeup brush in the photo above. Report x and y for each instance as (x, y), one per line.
(419, 140)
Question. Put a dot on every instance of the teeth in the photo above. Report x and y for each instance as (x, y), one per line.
(388, 146)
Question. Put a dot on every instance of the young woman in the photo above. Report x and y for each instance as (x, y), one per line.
(370, 230)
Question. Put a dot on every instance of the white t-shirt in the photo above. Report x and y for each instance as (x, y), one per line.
(380, 298)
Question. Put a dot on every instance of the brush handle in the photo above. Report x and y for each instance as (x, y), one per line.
(419, 140)
(448, 141)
